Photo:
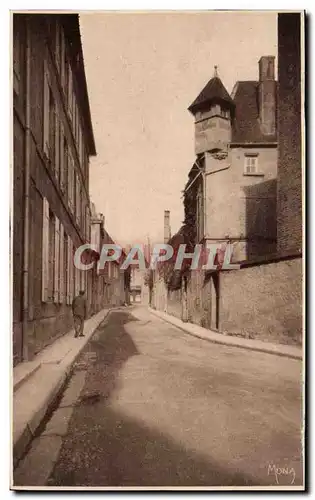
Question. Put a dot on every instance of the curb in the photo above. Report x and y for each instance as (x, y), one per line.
(225, 340)
(63, 372)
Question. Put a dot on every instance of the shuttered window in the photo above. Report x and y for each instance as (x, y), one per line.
(51, 255)
(72, 284)
(46, 111)
(62, 157)
(65, 165)
(77, 199)
(70, 91)
(69, 272)
(65, 267)
(61, 265)
(57, 144)
(45, 251)
(52, 128)
(62, 58)
(71, 181)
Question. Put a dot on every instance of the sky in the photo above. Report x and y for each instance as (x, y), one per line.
(143, 71)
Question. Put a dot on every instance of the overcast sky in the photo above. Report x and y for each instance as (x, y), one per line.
(143, 71)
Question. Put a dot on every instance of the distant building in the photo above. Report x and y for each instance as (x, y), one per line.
(53, 140)
(108, 286)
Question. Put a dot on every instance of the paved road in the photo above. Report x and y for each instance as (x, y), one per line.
(158, 407)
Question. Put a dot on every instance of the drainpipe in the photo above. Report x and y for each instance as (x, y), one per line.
(25, 352)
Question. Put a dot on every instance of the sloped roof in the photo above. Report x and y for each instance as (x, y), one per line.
(246, 126)
(213, 91)
(72, 32)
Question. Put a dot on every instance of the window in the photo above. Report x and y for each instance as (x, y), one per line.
(87, 223)
(46, 111)
(215, 110)
(61, 264)
(70, 91)
(71, 182)
(66, 77)
(58, 45)
(51, 256)
(77, 200)
(56, 260)
(64, 167)
(62, 58)
(251, 164)
(65, 268)
(45, 250)
(57, 145)
(17, 52)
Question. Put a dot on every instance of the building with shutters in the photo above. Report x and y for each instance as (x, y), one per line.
(108, 286)
(53, 141)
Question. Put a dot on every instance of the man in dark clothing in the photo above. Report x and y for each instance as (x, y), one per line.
(79, 313)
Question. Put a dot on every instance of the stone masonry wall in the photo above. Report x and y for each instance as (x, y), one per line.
(263, 301)
(289, 134)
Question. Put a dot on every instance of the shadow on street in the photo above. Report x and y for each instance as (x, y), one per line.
(106, 448)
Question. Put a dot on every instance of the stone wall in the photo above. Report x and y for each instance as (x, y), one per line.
(263, 301)
(289, 134)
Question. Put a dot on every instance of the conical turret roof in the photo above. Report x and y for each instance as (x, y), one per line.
(214, 91)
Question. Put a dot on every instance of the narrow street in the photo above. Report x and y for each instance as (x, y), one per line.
(149, 405)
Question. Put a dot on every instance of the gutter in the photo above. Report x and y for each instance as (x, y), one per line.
(25, 352)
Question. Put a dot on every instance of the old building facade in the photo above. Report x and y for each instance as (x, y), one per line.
(236, 149)
(53, 140)
(109, 285)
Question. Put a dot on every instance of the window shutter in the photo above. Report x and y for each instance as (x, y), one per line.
(57, 144)
(61, 265)
(61, 161)
(56, 267)
(62, 61)
(68, 271)
(70, 181)
(70, 91)
(79, 148)
(46, 111)
(77, 199)
(45, 250)
(72, 278)
(58, 45)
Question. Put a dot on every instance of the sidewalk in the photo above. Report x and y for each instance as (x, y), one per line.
(219, 338)
(36, 384)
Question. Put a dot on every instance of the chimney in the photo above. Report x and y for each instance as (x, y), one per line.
(167, 227)
(267, 95)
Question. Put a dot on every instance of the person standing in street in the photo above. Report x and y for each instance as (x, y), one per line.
(79, 313)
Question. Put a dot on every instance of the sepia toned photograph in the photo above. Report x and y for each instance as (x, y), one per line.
(157, 250)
